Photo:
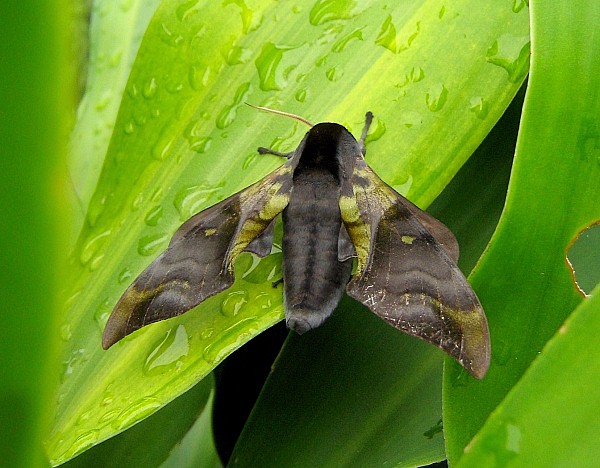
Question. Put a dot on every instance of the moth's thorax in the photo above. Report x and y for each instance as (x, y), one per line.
(322, 149)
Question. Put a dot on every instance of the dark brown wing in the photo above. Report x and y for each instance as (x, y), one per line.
(199, 260)
(407, 277)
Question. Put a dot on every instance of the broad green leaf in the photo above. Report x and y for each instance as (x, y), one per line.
(437, 77)
(366, 379)
(115, 32)
(342, 395)
(523, 281)
(550, 417)
(35, 95)
(151, 442)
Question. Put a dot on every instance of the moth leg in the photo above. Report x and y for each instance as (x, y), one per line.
(263, 150)
(363, 136)
(277, 283)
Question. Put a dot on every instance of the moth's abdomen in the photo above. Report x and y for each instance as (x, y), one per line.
(313, 277)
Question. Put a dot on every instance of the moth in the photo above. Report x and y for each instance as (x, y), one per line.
(334, 209)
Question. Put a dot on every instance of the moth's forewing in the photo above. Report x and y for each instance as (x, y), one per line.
(199, 260)
(407, 277)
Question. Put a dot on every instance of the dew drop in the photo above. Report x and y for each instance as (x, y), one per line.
(95, 209)
(149, 89)
(442, 12)
(403, 187)
(162, 147)
(154, 215)
(376, 131)
(341, 44)
(249, 21)
(411, 119)
(206, 333)
(76, 358)
(228, 114)
(170, 38)
(133, 91)
(82, 443)
(129, 127)
(173, 347)
(102, 312)
(152, 243)
(300, 95)
(436, 97)
(233, 303)
(329, 10)
(109, 416)
(237, 55)
(201, 145)
(267, 64)
(92, 245)
(387, 35)
(230, 339)
(198, 76)
(416, 74)
(479, 107)
(190, 200)
(103, 100)
(137, 202)
(95, 262)
(334, 74)
(136, 412)
(185, 10)
(511, 53)
(65, 332)
(518, 5)
(84, 417)
(249, 160)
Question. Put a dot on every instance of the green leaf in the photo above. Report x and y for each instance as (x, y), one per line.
(550, 416)
(523, 281)
(151, 442)
(436, 77)
(34, 91)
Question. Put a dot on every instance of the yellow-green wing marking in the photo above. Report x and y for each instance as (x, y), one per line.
(199, 260)
(407, 277)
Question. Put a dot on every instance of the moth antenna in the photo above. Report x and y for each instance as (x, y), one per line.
(368, 120)
(284, 114)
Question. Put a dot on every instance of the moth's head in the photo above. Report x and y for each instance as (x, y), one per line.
(325, 145)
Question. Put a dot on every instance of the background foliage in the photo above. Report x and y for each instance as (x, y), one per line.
(161, 132)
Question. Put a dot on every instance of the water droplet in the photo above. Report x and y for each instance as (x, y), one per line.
(136, 412)
(153, 216)
(518, 5)
(206, 333)
(442, 12)
(65, 332)
(414, 35)
(387, 35)
(95, 262)
(411, 119)
(479, 107)
(329, 10)
(334, 74)
(230, 339)
(416, 74)
(103, 100)
(109, 416)
(171, 349)
(249, 21)
(186, 9)
(249, 160)
(152, 243)
(320, 61)
(102, 312)
(83, 417)
(233, 303)
(92, 245)
(133, 91)
(436, 97)
(403, 187)
(376, 131)
(301, 95)
(149, 89)
(124, 276)
(198, 76)
(82, 443)
(341, 44)
(201, 145)
(228, 114)
(266, 64)
(190, 200)
(511, 53)
(137, 202)
(170, 38)
(129, 127)
(95, 209)
(162, 147)
(237, 55)
(76, 358)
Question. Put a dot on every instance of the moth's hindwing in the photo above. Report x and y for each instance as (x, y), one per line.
(199, 260)
(407, 274)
